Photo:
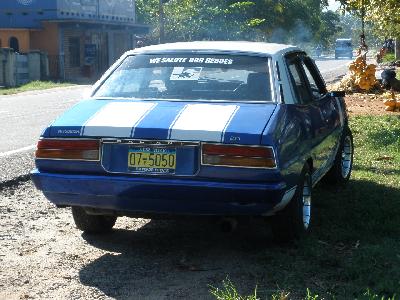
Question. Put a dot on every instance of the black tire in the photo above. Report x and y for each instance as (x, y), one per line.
(92, 223)
(295, 219)
(341, 169)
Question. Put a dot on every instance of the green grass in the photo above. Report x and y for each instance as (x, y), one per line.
(228, 291)
(388, 57)
(31, 86)
(353, 251)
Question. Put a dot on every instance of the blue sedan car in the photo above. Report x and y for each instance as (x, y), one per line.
(227, 129)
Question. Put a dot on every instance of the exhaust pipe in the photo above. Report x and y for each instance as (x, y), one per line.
(228, 225)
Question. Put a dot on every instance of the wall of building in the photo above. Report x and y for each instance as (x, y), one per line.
(17, 69)
(30, 13)
(45, 39)
(117, 10)
(105, 10)
(72, 72)
(26, 13)
(98, 50)
(22, 35)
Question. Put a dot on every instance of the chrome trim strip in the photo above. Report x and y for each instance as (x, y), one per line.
(238, 145)
(149, 142)
(187, 100)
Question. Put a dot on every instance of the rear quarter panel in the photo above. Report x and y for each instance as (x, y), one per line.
(289, 133)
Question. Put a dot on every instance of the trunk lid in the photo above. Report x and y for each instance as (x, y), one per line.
(219, 122)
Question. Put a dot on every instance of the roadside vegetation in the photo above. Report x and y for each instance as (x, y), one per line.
(388, 58)
(353, 250)
(32, 86)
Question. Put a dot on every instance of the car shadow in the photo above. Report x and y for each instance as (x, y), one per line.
(170, 259)
(181, 259)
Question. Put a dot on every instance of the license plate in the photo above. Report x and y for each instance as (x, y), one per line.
(160, 160)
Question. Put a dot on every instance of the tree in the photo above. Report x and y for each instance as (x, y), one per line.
(285, 21)
(329, 29)
(351, 28)
(384, 15)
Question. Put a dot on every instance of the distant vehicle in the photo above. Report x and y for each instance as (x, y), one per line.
(318, 51)
(343, 48)
(227, 129)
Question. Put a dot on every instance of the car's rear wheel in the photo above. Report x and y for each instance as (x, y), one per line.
(295, 219)
(341, 169)
(92, 223)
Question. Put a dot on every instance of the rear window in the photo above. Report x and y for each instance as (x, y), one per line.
(190, 77)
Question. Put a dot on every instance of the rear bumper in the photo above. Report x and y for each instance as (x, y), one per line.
(159, 195)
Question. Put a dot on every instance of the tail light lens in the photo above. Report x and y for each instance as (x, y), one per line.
(238, 156)
(68, 149)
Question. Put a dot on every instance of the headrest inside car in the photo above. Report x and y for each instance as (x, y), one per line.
(258, 86)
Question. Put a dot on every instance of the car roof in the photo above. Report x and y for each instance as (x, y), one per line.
(267, 49)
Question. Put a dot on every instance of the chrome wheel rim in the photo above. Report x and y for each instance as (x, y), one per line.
(306, 197)
(347, 152)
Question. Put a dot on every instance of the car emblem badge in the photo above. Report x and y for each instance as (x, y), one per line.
(234, 139)
(25, 2)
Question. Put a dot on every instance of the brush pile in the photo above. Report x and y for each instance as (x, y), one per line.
(361, 76)
(391, 102)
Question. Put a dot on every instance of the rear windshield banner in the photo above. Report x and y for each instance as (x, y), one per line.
(210, 61)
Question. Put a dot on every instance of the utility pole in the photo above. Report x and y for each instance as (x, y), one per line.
(161, 20)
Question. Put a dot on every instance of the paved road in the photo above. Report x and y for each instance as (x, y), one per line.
(22, 119)
(332, 69)
(24, 116)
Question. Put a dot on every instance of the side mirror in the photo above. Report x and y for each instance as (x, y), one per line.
(340, 94)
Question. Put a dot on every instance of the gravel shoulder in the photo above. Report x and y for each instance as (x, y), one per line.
(45, 257)
(16, 167)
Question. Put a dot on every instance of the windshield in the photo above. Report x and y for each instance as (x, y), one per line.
(190, 77)
(343, 44)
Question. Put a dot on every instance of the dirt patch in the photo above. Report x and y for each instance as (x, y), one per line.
(367, 104)
(45, 257)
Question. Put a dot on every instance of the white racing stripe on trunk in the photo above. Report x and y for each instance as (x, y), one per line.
(202, 122)
(117, 119)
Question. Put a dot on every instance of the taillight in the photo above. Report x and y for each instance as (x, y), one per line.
(68, 149)
(238, 156)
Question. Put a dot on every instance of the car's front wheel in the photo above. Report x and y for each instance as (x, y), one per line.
(295, 219)
(92, 223)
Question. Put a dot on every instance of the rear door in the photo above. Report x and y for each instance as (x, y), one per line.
(312, 106)
(326, 111)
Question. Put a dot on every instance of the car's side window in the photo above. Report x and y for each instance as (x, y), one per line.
(317, 86)
(298, 81)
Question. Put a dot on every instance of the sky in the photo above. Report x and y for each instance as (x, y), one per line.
(333, 5)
